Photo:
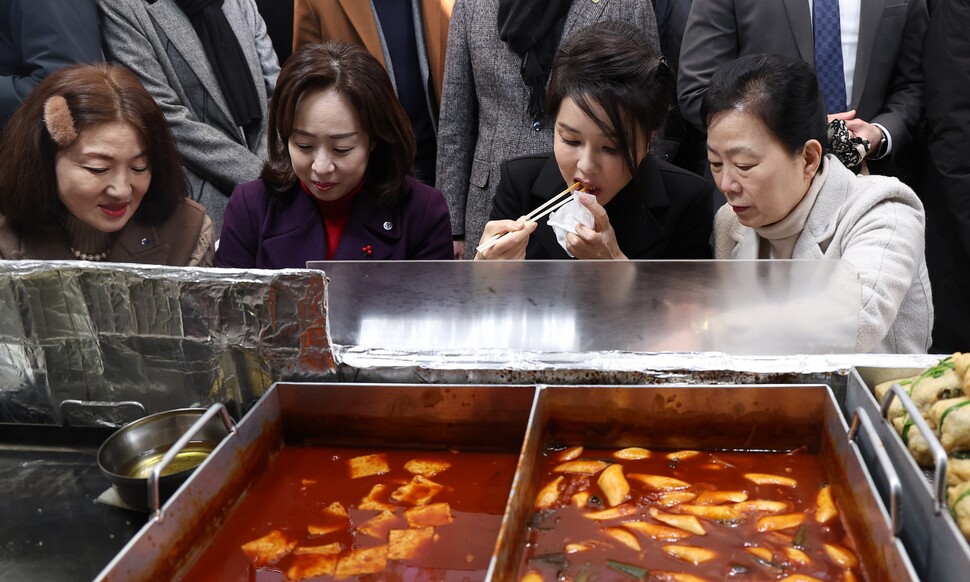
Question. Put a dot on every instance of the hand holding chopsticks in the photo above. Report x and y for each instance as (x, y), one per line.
(548, 207)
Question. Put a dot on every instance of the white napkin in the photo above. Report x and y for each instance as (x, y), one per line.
(564, 220)
(111, 497)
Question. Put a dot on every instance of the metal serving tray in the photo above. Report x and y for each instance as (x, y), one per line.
(934, 542)
(422, 416)
(708, 417)
(519, 419)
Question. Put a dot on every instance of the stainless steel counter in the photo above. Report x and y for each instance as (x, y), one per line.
(51, 527)
(496, 308)
(568, 322)
(188, 336)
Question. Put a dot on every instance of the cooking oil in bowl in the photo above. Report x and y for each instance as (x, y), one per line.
(188, 458)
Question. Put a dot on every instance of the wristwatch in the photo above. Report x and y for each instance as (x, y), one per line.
(883, 142)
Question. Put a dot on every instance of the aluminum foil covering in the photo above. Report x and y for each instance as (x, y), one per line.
(164, 337)
(356, 364)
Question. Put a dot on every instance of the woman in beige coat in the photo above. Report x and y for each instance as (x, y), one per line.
(786, 199)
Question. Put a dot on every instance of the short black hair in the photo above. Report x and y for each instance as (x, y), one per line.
(781, 91)
(611, 63)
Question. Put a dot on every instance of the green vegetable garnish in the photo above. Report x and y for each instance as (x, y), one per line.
(635, 572)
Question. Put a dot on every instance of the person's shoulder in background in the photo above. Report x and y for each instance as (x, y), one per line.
(37, 37)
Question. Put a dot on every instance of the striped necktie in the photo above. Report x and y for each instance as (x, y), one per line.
(828, 54)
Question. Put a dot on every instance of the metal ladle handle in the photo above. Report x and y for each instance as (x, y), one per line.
(939, 453)
(154, 493)
(861, 418)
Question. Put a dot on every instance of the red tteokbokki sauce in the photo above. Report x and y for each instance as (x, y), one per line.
(344, 513)
(685, 515)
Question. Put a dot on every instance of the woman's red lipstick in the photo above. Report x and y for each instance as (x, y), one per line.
(114, 210)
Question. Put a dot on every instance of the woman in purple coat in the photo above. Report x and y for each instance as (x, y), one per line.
(336, 186)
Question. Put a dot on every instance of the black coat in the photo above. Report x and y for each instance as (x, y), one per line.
(666, 216)
(945, 190)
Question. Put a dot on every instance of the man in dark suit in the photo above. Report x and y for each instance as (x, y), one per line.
(683, 142)
(37, 37)
(278, 17)
(883, 82)
(946, 185)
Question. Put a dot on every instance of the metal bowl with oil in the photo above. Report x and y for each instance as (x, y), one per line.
(128, 456)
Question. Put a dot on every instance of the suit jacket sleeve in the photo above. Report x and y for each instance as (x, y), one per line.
(710, 39)
(904, 98)
(650, 27)
(208, 152)
(457, 129)
(50, 35)
(241, 227)
(947, 68)
(268, 62)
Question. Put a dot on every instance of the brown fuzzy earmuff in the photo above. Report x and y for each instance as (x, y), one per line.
(57, 118)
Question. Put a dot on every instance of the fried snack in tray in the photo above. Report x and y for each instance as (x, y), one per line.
(936, 383)
(942, 394)
(896, 409)
(961, 364)
(957, 471)
(958, 500)
(951, 421)
(684, 516)
(914, 441)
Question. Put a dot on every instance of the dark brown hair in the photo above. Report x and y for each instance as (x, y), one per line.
(610, 63)
(95, 93)
(361, 79)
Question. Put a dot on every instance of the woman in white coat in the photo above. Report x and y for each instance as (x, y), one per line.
(787, 199)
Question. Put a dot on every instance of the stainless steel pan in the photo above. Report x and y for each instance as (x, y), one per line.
(520, 419)
(722, 417)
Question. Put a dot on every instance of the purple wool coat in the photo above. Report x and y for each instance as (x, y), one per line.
(263, 232)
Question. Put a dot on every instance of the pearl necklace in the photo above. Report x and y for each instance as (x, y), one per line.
(89, 257)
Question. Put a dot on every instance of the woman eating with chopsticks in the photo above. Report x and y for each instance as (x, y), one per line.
(609, 95)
